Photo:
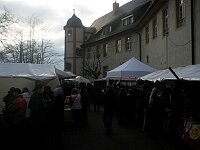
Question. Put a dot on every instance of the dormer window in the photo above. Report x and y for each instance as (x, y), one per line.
(107, 29)
(128, 20)
(125, 22)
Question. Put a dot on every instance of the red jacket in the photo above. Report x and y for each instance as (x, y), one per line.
(18, 110)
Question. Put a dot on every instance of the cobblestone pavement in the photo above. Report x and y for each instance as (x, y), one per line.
(93, 137)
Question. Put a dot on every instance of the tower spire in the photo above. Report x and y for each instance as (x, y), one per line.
(74, 11)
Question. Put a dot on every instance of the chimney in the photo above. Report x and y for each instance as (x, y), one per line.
(115, 7)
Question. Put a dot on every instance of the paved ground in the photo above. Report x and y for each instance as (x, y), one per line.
(92, 137)
(130, 137)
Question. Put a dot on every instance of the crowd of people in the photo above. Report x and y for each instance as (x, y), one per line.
(30, 114)
(155, 109)
(39, 114)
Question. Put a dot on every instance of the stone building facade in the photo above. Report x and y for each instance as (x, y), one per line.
(166, 34)
(160, 33)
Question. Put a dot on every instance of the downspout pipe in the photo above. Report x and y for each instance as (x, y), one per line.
(192, 30)
(74, 50)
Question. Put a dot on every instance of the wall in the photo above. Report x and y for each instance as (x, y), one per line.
(173, 50)
(114, 59)
(69, 48)
(197, 30)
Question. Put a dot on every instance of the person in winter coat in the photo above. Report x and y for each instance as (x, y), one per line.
(26, 95)
(17, 109)
(37, 107)
(8, 99)
(109, 108)
(76, 107)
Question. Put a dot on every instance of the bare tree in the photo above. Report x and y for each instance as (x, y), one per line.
(6, 21)
(3, 57)
(25, 47)
(92, 67)
(42, 52)
(48, 53)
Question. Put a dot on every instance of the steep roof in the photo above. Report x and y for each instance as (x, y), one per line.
(122, 11)
(74, 21)
(115, 20)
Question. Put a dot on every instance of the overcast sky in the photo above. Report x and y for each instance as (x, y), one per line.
(55, 13)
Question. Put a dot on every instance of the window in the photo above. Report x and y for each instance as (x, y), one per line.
(180, 12)
(107, 29)
(165, 22)
(110, 28)
(68, 66)
(97, 51)
(79, 52)
(147, 34)
(125, 22)
(105, 49)
(85, 38)
(105, 70)
(155, 28)
(69, 32)
(128, 20)
(118, 46)
(89, 53)
(128, 40)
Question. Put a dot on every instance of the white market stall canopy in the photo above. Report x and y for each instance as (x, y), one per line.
(132, 68)
(64, 74)
(190, 72)
(29, 71)
(80, 79)
(21, 75)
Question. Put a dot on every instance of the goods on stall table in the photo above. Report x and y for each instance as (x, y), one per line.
(195, 132)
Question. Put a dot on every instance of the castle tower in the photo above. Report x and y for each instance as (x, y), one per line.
(74, 37)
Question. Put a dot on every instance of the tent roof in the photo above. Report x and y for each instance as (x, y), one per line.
(64, 74)
(80, 79)
(190, 72)
(131, 68)
(30, 71)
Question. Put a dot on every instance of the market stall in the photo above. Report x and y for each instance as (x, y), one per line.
(183, 109)
(26, 75)
(132, 68)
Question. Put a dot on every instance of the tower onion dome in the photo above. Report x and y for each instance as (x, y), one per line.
(74, 21)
